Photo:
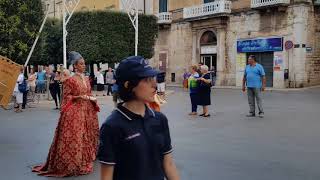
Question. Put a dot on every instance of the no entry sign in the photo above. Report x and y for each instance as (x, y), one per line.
(288, 45)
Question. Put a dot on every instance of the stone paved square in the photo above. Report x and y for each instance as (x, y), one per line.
(227, 146)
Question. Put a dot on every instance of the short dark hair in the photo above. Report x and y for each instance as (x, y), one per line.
(126, 94)
(253, 57)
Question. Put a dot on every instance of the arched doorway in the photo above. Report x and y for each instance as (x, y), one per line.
(208, 49)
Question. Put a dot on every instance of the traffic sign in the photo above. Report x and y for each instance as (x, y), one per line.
(288, 45)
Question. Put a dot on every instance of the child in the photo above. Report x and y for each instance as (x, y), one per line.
(135, 141)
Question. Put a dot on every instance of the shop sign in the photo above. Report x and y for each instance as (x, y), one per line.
(260, 45)
(208, 50)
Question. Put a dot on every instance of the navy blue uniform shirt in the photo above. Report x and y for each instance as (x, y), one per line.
(135, 145)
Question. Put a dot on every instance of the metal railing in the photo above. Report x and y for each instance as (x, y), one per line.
(164, 18)
(217, 7)
(263, 3)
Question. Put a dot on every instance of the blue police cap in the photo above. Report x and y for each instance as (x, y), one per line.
(134, 67)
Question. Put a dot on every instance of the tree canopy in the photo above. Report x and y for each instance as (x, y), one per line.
(20, 21)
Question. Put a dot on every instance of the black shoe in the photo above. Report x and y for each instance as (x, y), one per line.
(201, 114)
(251, 115)
(206, 115)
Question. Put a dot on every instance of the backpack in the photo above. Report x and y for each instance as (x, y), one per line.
(23, 86)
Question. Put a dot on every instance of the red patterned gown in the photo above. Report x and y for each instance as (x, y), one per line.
(75, 142)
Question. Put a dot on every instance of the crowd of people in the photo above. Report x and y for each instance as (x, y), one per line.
(134, 142)
(31, 82)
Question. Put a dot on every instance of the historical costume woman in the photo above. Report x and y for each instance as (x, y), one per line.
(75, 142)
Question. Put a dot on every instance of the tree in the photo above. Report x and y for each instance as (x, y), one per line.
(52, 43)
(20, 21)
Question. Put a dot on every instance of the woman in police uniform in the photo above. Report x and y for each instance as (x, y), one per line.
(135, 141)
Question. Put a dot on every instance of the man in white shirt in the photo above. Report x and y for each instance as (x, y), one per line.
(100, 83)
(18, 95)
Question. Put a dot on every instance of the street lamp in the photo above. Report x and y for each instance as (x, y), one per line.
(69, 6)
(132, 9)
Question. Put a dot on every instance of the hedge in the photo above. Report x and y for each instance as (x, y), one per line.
(107, 36)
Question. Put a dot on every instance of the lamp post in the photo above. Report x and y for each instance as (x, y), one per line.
(69, 6)
(132, 9)
(37, 38)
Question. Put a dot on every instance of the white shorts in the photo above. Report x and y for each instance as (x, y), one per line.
(19, 97)
(161, 87)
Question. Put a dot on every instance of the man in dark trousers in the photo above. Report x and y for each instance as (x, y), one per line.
(255, 80)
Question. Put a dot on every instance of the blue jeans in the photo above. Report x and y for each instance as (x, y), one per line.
(194, 102)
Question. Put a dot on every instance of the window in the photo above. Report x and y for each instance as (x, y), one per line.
(208, 1)
(208, 38)
(163, 6)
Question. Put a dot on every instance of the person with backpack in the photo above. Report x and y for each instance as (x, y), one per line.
(204, 90)
(18, 91)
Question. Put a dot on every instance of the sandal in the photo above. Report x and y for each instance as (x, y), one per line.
(202, 114)
(206, 115)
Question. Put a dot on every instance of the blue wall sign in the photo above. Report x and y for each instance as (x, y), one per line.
(259, 45)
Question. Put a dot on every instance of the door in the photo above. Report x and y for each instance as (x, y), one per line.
(163, 61)
(266, 60)
(210, 61)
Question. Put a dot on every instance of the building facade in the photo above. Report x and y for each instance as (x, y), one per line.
(284, 35)
(55, 8)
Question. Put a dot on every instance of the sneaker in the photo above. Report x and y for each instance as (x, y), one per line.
(192, 113)
(261, 115)
(251, 115)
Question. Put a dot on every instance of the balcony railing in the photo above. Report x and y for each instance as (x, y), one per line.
(264, 3)
(164, 18)
(217, 7)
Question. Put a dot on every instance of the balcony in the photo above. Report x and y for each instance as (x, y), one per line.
(265, 3)
(164, 18)
(213, 8)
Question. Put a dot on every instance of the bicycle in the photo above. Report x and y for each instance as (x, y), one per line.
(32, 98)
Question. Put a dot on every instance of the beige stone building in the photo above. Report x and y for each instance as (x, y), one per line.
(55, 8)
(283, 34)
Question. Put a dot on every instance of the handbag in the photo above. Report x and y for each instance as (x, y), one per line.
(23, 86)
